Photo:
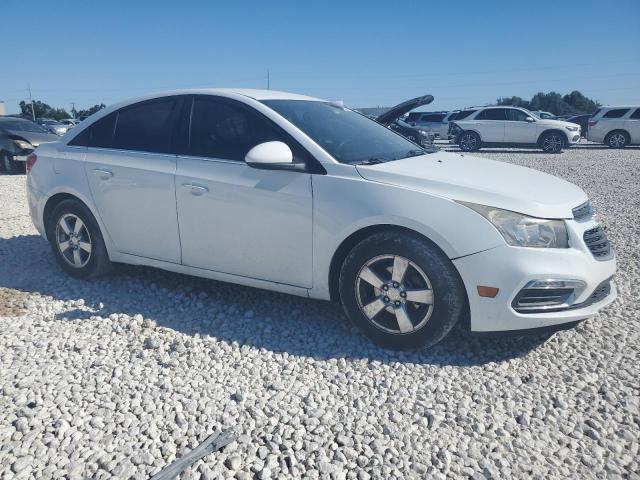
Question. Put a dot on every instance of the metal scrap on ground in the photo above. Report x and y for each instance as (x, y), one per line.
(214, 442)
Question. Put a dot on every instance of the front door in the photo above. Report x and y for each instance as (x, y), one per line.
(517, 129)
(490, 124)
(236, 219)
(131, 175)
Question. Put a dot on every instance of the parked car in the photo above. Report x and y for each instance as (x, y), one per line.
(53, 126)
(69, 122)
(512, 126)
(616, 127)
(391, 119)
(437, 123)
(294, 194)
(18, 138)
(544, 115)
(583, 121)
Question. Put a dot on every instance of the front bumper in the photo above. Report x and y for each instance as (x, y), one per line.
(511, 268)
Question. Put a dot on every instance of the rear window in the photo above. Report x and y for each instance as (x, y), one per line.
(593, 115)
(145, 127)
(616, 113)
(492, 114)
(432, 117)
(461, 115)
(101, 134)
(636, 115)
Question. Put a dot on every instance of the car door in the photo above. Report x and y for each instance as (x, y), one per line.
(633, 126)
(489, 123)
(130, 168)
(234, 218)
(517, 129)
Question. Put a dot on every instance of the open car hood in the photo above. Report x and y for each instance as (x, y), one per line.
(394, 112)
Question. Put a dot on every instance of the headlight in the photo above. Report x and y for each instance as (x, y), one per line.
(523, 231)
(23, 145)
(572, 129)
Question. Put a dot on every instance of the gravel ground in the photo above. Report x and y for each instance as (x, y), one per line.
(114, 378)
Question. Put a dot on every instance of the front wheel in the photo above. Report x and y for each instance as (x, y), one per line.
(470, 142)
(552, 142)
(401, 291)
(76, 240)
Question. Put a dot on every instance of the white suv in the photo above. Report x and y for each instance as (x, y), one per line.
(512, 126)
(615, 126)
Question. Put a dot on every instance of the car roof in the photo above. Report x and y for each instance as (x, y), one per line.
(255, 93)
(612, 107)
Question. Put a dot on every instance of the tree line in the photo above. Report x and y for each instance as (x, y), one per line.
(574, 103)
(39, 109)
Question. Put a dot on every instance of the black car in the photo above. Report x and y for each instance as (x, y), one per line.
(391, 119)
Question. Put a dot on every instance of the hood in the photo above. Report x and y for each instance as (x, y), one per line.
(558, 123)
(35, 138)
(477, 180)
(394, 112)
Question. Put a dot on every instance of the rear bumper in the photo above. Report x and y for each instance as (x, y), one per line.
(511, 268)
(36, 201)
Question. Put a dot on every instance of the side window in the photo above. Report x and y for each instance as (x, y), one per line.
(462, 115)
(82, 139)
(516, 115)
(101, 134)
(145, 126)
(221, 129)
(492, 114)
(616, 113)
(636, 115)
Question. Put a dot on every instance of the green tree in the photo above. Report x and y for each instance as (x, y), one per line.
(90, 111)
(42, 110)
(513, 101)
(573, 103)
(581, 103)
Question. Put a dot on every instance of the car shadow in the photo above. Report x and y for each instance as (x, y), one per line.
(231, 313)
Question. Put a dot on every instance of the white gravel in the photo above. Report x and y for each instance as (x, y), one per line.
(116, 377)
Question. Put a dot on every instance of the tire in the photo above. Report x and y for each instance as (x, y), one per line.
(470, 142)
(617, 139)
(9, 165)
(430, 296)
(91, 259)
(552, 142)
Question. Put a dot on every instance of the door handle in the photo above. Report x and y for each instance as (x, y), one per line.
(195, 189)
(103, 174)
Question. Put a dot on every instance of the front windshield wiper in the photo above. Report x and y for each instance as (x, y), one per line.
(369, 161)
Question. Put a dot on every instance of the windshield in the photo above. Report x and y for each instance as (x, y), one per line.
(346, 135)
(20, 125)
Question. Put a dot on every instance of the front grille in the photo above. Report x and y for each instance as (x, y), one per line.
(597, 241)
(583, 212)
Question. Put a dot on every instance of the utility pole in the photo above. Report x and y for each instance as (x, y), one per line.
(73, 109)
(268, 80)
(33, 110)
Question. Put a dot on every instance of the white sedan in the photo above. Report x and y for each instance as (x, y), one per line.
(299, 195)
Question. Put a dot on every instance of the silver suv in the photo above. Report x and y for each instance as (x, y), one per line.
(511, 126)
(615, 126)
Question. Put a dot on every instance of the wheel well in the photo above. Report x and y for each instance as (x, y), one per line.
(351, 241)
(52, 203)
(621, 130)
(552, 130)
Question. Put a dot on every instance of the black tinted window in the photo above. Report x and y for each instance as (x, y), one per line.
(145, 127)
(101, 134)
(82, 139)
(432, 117)
(616, 113)
(636, 114)
(516, 115)
(461, 115)
(492, 114)
(221, 129)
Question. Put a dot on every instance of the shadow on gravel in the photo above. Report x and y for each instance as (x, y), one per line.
(231, 313)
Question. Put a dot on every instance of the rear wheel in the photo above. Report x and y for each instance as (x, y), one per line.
(76, 240)
(470, 142)
(552, 142)
(401, 290)
(617, 139)
(9, 165)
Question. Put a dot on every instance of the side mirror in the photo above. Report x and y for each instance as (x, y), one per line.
(272, 156)
(529, 119)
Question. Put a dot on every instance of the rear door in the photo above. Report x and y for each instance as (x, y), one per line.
(489, 123)
(517, 129)
(130, 166)
(633, 126)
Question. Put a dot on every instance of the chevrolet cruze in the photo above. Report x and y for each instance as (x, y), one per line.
(295, 194)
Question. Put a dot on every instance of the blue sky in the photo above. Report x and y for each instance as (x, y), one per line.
(365, 53)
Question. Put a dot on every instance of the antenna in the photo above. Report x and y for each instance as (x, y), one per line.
(73, 109)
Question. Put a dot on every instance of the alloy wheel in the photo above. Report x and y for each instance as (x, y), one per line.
(552, 143)
(73, 240)
(394, 294)
(617, 140)
(468, 142)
